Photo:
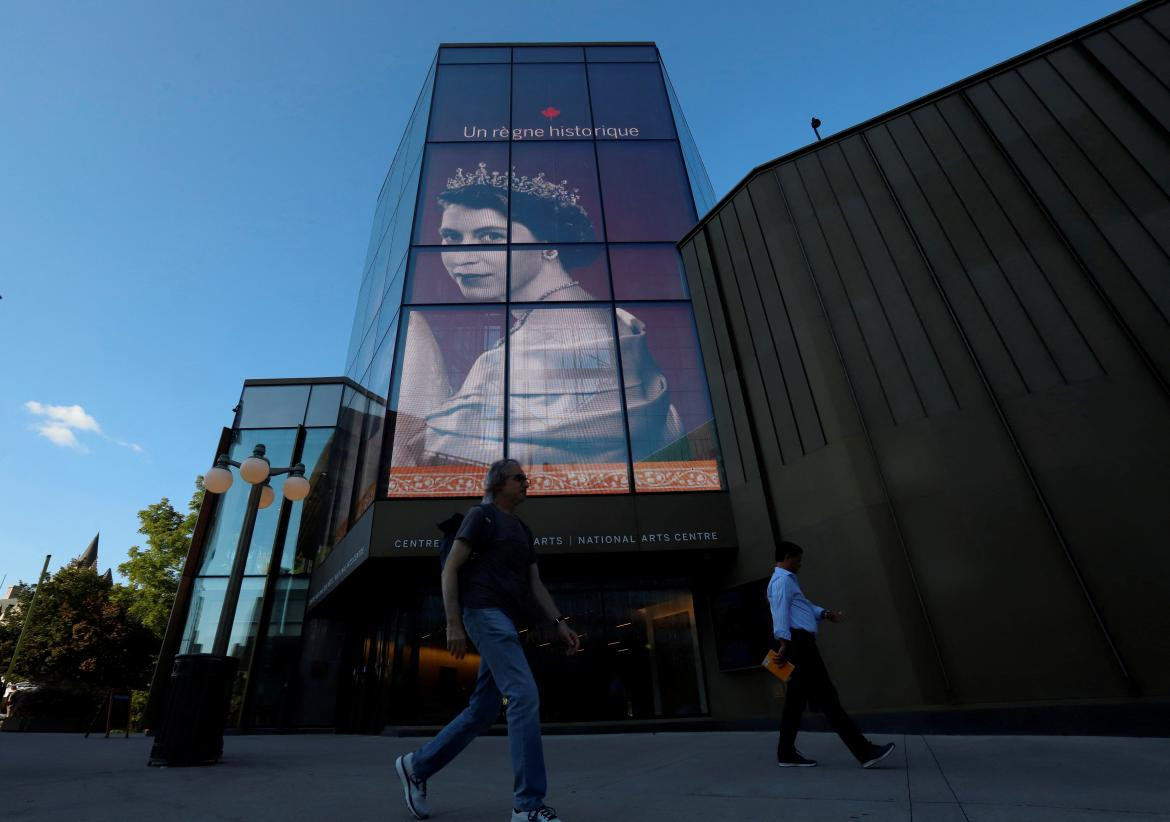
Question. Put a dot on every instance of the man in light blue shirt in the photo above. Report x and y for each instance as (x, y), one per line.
(794, 628)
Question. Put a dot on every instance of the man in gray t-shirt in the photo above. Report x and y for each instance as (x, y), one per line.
(498, 575)
(488, 579)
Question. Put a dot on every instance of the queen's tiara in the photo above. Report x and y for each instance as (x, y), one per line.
(537, 186)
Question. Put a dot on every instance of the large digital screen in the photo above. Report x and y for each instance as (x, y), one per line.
(545, 313)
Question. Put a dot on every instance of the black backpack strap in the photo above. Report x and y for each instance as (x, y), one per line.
(486, 530)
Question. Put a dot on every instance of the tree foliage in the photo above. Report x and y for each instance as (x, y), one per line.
(153, 572)
(78, 632)
(11, 621)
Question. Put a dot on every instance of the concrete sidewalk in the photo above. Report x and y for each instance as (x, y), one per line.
(614, 777)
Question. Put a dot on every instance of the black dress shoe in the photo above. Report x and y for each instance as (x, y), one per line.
(876, 754)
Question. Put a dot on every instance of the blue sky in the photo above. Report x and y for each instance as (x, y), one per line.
(186, 192)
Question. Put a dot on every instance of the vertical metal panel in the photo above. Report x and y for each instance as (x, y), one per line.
(1097, 193)
(937, 245)
(900, 278)
(1127, 148)
(1081, 330)
(1139, 59)
(823, 269)
(936, 167)
(894, 328)
(1159, 18)
(1110, 267)
(752, 267)
(774, 302)
(980, 182)
(741, 328)
(811, 341)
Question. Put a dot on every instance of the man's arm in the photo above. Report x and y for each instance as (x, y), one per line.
(456, 635)
(545, 601)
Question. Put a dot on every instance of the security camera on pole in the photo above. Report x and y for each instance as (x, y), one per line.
(200, 688)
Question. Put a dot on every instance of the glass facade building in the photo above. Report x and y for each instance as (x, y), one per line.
(522, 295)
(936, 345)
(522, 292)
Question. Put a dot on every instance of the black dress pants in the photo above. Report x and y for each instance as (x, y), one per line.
(810, 685)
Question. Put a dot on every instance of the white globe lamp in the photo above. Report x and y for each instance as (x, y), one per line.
(218, 480)
(254, 469)
(296, 487)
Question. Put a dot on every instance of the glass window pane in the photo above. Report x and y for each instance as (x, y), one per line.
(346, 443)
(569, 273)
(463, 274)
(565, 418)
(554, 193)
(323, 405)
(647, 272)
(391, 301)
(367, 481)
(229, 516)
(646, 194)
(629, 102)
(621, 54)
(471, 103)
(272, 406)
(548, 54)
(308, 522)
(631, 637)
(275, 664)
(203, 617)
(463, 198)
(672, 428)
(388, 329)
(378, 376)
(550, 103)
(490, 54)
(447, 399)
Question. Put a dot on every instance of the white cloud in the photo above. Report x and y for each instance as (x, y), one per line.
(59, 435)
(59, 424)
(65, 416)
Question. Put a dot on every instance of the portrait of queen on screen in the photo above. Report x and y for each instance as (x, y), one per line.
(565, 404)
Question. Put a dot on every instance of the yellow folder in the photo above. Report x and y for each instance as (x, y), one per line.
(780, 670)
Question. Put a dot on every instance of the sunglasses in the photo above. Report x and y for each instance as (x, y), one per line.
(519, 477)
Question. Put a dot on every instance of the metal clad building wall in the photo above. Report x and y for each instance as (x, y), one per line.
(939, 349)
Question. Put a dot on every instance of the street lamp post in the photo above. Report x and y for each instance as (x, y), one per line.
(256, 471)
(200, 690)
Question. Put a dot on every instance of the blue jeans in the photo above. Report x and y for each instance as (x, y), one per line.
(503, 671)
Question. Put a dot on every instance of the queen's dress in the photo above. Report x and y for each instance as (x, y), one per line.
(565, 405)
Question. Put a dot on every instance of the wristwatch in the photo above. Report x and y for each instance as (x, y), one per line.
(560, 619)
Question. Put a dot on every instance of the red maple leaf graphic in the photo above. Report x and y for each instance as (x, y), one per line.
(551, 112)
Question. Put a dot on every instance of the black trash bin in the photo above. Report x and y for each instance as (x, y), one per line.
(191, 732)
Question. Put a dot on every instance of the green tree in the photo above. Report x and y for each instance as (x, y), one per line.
(153, 572)
(80, 634)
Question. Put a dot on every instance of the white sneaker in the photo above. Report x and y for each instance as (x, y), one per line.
(414, 788)
(542, 814)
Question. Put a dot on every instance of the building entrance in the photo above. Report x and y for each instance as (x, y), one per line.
(639, 659)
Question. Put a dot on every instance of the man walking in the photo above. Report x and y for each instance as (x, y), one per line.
(487, 581)
(794, 627)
